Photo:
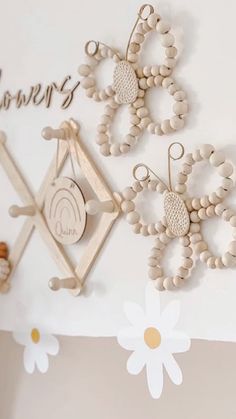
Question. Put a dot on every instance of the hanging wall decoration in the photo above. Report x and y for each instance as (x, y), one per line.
(131, 81)
(183, 214)
(107, 205)
(153, 340)
(4, 267)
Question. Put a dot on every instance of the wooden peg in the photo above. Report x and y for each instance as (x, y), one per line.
(95, 207)
(56, 284)
(49, 133)
(16, 211)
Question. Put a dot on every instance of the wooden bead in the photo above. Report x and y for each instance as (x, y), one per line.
(171, 52)
(4, 252)
(187, 263)
(167, 40)
(211, 262)
(150, 81)
(159, 245)
(176, 122)
(152, 20)
(158, 130)
(219, 209)
(217, 158)
(182, 272)
(187, 251)
(115, 149)
(152, 262)
(156, 253)
(171, 63)
(194, 228)
(181, 178)
(129, 194)
(168, 283)
(201, 246)
(229, 260)
(127, 206)
(204, 201)
(227, 184)
(196, 155)
(225, 169)
(167, 81)
(131, 140)
(196, 203)
(210, 211)
(179, 95)
(166, 127)
(134, 47)
(221, 192)
(133, 217)
(102, 138)
(180, 188)
(159, 284)
(143, 84)
(162, 27)
(144, 231)
(206, 150)
(151, 229)
(159, 227)
(214, 199)
(180, 108)
(204, 256)
(134, 131)
(133, 58)
(105, 149)
(233, 221)
(84, 70)
(218, 262)
(88, 82)
(165, 71)
(178, 281)
(186, 169)
(138, 38)
(196, 237)
(155, 70)
(227, 214)
(142, 112)
(202, 214)
(137, 228)
(188, 203)
(184, 241)
(194, 217)
(155, 272)
(164, 238)
(232, 248)
(189, 159)
(158, 80)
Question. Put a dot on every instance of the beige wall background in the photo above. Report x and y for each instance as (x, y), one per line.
(88, 380)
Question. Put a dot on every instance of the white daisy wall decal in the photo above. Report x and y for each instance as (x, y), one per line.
(153, 340)
(37, 347)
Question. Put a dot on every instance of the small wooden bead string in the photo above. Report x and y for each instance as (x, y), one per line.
(124, 89)
(198, 209)
(155, 272)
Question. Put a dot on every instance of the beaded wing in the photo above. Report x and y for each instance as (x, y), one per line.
(183, 216)
(131, 81)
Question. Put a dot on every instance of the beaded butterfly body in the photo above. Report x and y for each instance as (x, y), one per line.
(183, 216)
(130, 83)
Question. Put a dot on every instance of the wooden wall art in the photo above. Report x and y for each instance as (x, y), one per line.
(131, 81)
(33, 206)
(183, 215)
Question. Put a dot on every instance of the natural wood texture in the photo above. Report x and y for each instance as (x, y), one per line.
(33, 209)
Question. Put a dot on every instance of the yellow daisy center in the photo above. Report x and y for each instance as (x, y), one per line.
(152, 337)
(35, 335)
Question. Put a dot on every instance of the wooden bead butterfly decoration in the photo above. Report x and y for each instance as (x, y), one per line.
(183, 215)
(131, 82)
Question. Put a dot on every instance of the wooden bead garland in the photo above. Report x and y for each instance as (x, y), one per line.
(183, 216)
(130, 83)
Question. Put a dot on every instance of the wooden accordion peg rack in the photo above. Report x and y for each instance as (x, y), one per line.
(33, 208)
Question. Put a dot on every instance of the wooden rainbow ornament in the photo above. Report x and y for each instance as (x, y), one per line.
(183, 215)
(131, 82)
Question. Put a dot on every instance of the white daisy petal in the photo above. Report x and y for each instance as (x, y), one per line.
(29, 359)
(170, 316)
(128, 338)
(152, 303)
(154, 372)
(177, 342)
(23, 338)
(136, 362)
(172, 368)
(42, 361)
(134, 314)
(49, 344)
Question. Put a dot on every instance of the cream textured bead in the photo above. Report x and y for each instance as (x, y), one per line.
(164, 238)
(218, 262)
(138, 38)
(152, 262)
(206, 150)
(227, 184)
(101, 139)
(167, 40)
(214, 199)
(162, 27)
(217, 158)
(194, 228)
(205, 255)
(221, 192)
(204, 201)
(176, 122)
(127, 206)
(201, 246)
(210, 211)
(178, 282)
(196, 203)
(186, 169)
(133, 217)
(167, 81)
(180, 188)
(187, 263)
(180, 108)
(227, 214)
(168, 283)
(88, 82)
(195, 238)
(233, 221)
(84, 70)
(129, 193)
(187, 251)
(165, 71)
(151, 229)
(159, 284)
(136, 228)
(152, 20)
(179, 95)
(184, 241)
(166, 127)
(194, 217)
(171, 52)
(211, 262)
(228, 260)
(144, 231)
(105, 149)
(196, 155)
(225, 169)
(202, 213)
(182, 272)
(219, 209)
